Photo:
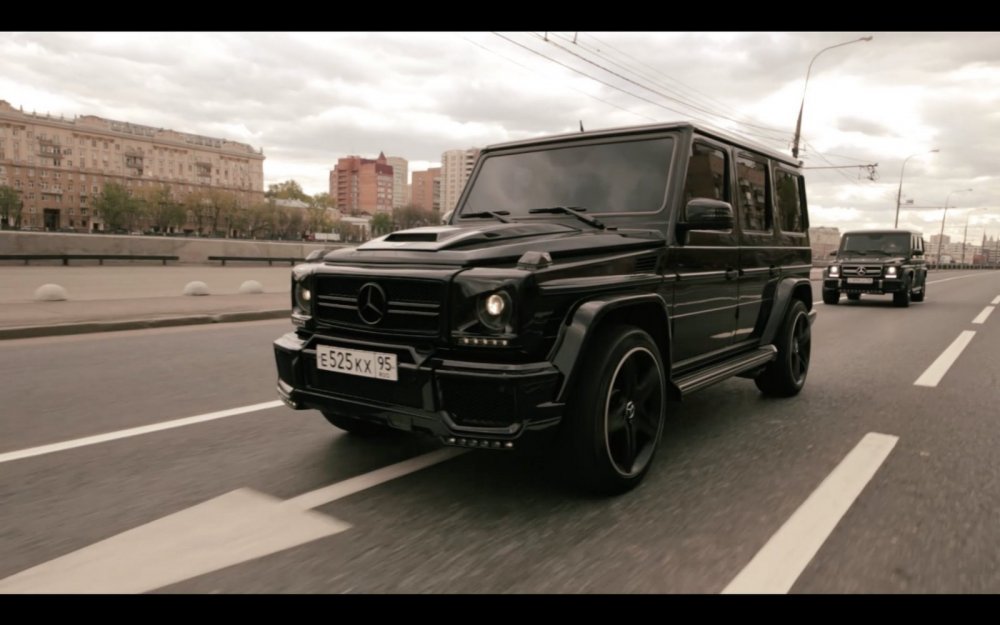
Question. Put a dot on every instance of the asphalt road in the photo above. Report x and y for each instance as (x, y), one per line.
(733, 469)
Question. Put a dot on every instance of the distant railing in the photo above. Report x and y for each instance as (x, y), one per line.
(100, 258)
(291, 260)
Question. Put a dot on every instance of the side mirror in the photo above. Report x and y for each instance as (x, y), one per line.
(706, 214)
(833, 253)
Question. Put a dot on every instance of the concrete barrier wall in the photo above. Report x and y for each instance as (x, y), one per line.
(188, 249)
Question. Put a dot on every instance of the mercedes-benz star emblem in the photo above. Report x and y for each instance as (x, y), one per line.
(861, 271)
(372, 303)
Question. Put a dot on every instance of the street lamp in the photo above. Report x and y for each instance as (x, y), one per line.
(941, 236)
(798, 124)
(965, 236)
(899, 193)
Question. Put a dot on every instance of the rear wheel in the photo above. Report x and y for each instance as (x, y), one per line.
(786, 375)
(356, 426)
(617, 413)
(831, 296)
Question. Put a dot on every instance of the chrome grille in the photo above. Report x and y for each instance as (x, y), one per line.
(870, 271)
(413, 306)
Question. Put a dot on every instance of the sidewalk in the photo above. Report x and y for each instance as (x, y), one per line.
(105, 298)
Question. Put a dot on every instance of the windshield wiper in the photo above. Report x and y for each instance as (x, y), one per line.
(575, 211)
(494, 214)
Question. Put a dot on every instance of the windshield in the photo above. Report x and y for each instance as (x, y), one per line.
(628, 176)
(887, 244)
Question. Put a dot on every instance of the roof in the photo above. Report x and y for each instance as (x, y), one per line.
(885, 231)
(651, 128)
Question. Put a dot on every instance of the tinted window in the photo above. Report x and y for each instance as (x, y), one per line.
(706, 174)
(751, 187)
(876, 243)
(788, 201)
(629, 176)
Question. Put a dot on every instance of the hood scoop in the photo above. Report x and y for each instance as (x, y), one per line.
(434, 238)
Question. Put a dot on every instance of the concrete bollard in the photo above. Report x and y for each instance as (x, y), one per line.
(196, 288)
(251, 286)
(50, 293)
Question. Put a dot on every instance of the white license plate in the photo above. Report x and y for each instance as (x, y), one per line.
(859, 280)
(378, 365)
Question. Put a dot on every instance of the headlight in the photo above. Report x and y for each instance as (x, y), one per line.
(303, 298)
(494, 310)
(890, 272)
(834, 271)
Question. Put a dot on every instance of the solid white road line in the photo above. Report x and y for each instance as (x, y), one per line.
(996, 300)
(320, 496)
(225, 531)
(939, 367)
(981, 317)
(780, 562)
(145, 429)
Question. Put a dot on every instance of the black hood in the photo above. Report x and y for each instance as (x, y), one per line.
(491, 244)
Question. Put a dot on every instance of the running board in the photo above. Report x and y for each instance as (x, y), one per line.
(717, 373)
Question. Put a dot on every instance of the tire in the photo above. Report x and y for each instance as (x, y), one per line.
(901, 298)
(854, 296)
(831, 296)
(356, 426)
(615, 419)
(786, 375)
(919, 297)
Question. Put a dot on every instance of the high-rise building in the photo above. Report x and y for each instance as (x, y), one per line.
(362, 185)
(60, 166)
(456, 165)
(400, 176)
(426, 188)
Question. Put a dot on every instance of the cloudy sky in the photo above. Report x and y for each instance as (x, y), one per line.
(309, 98)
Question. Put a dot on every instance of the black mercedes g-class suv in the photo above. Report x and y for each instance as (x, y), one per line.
(877, 262)
(582, 282)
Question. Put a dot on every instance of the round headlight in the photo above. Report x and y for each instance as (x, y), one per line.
(495, 305)
(303, 298)
(494, 310)
(890, 272)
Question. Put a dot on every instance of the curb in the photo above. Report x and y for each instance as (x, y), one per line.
(87, 327)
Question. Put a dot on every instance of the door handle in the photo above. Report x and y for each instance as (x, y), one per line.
(772, 271)
(731, 273)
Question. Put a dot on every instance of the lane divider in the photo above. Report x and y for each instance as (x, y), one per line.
(940, 367)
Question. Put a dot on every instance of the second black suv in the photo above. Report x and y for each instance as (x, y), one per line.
(582, 281)
(877, 262)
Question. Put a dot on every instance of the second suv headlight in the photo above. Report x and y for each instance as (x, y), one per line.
(834, 271)
(891, 272)
(303, 297)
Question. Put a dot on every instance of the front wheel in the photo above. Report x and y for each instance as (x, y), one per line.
(901, 298)
(617, 413)
(831, 296)
(786, 375)
(919, 297)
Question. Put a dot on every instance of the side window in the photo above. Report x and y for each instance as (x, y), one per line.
(707, 174)
(751, 187)
(787, 200)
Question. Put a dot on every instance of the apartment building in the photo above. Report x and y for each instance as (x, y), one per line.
(59, 166)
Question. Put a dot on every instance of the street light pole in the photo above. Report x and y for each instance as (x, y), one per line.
(965, 236)
(798, 123)
(941, 236)
(899, 193)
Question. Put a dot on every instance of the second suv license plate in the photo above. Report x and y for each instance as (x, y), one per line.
(378, 365)
(859, 280)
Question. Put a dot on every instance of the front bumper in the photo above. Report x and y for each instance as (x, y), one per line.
(475, 404)
(878, 286)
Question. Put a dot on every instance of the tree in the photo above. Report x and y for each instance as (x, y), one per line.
(118, 209)
(325, 200)
(288, 190)
(411, 216)
(381, 224)
(161, 211)
(10, 208)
